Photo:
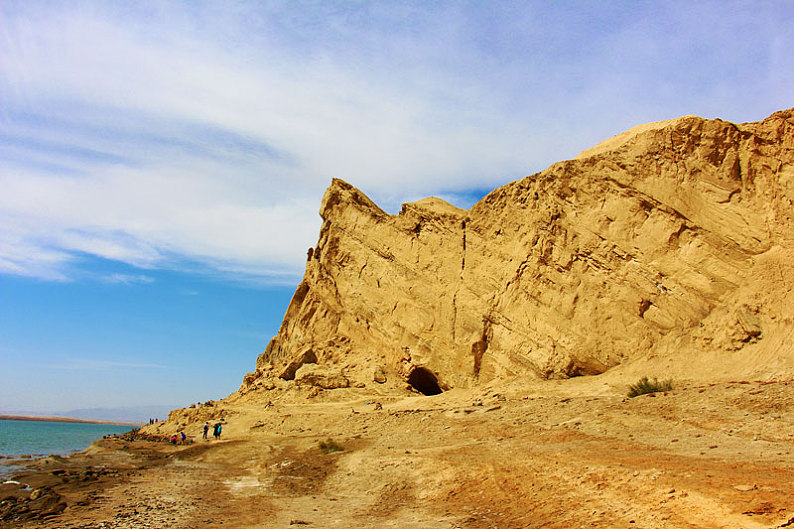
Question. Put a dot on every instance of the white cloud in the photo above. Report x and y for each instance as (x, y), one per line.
(19, 256)
(128, 279)
(155, 135)
(85, 364)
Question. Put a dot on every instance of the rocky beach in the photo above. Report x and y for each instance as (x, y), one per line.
(554, 454)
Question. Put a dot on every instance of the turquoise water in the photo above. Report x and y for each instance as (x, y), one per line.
(44, 438)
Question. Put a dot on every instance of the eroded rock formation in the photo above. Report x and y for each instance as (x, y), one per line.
(669, 239)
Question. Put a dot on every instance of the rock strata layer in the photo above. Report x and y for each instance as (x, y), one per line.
(673, 238)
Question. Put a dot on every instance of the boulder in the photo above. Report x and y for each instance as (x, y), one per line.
(325, 377)
(306, 357)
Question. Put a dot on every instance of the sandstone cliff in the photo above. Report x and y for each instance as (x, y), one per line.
(673, 239)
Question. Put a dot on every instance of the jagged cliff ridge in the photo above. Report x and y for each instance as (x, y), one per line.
(673, 238)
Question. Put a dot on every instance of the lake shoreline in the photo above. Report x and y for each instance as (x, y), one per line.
(24, 440)
(39, 490)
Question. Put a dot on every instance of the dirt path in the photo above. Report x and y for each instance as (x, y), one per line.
(701, 456)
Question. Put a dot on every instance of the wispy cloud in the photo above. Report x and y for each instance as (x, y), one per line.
(83, 364)
(128, 279)
(156, 135)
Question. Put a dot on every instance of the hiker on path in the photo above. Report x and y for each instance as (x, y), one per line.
(206, 429)
(217, 431)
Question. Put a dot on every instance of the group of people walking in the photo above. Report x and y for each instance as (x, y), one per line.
(181, 438)
(216, 430)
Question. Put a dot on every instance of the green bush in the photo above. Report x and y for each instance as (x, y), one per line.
(646, 385)
(329, 445)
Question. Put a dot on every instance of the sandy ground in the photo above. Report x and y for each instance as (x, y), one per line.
(574, 453)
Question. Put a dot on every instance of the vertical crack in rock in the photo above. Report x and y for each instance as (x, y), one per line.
(463, 253)
(454, 314)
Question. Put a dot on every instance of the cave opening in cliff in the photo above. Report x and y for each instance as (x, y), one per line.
(423, 381)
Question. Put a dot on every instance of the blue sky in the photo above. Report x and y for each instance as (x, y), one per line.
(162, 163)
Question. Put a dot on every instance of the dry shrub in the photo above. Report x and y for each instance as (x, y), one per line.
(646, 385)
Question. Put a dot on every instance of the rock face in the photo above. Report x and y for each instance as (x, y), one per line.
(325, 377)
(673, 238)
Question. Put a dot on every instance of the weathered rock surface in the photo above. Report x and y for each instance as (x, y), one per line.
(326, 377)
(672, 239)
(306, 357)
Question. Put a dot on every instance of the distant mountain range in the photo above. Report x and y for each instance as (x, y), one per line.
(127, 414)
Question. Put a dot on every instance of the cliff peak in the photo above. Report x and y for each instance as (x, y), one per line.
(340, 194)
(619, 139)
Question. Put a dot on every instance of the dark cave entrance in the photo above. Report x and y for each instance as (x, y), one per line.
(423, 381)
